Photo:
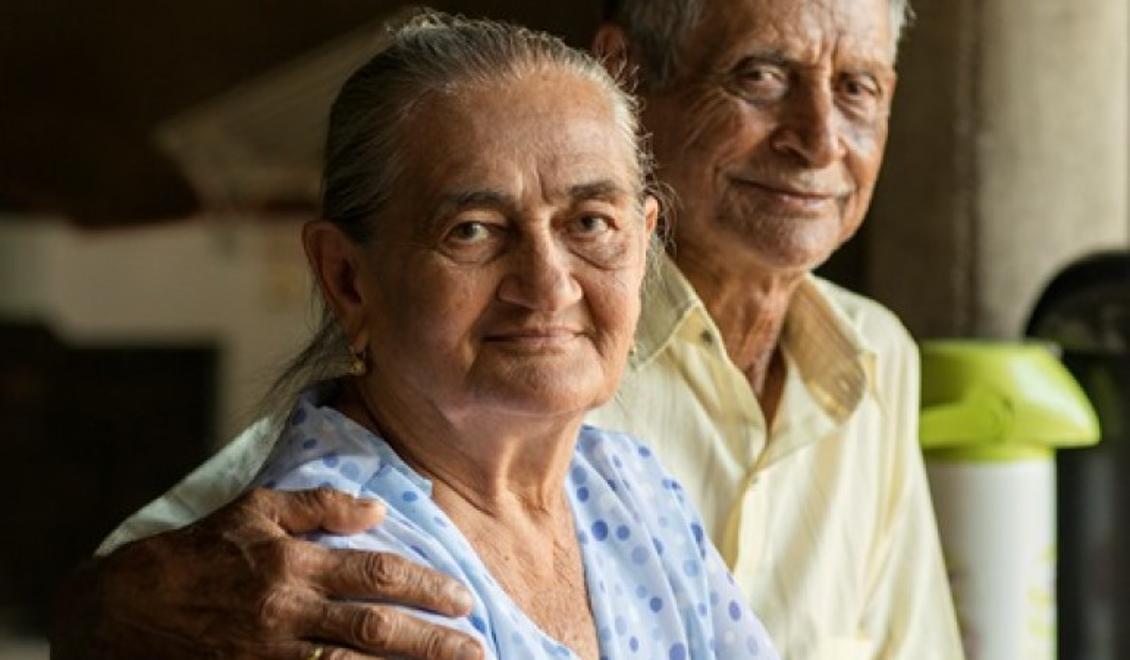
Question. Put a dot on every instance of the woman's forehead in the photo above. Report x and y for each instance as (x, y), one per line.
(562, 129)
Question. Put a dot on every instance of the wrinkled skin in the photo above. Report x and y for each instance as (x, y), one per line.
(771, 135)
(237, 584)
(771, 132)
(498, 306)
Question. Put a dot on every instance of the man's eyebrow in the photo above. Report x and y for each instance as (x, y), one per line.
(768, 56)
(871, 67)
(604, 189)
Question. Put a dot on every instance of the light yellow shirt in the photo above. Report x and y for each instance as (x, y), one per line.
(825, 520)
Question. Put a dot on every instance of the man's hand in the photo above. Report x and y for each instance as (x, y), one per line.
(237, 585)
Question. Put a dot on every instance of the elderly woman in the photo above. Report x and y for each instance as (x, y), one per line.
(485, 239)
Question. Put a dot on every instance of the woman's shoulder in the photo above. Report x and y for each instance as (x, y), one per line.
(632, 473)
(618, 455)
(320, 447)
(605, 448)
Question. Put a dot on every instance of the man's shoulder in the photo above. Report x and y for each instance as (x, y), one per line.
(205, 489)
(878, 327)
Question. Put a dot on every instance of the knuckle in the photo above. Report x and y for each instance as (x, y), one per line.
(440, 644)
(255, 501)
(274, 609)
(278, 557)
(374, 626)
(322, 497)
(383, 571)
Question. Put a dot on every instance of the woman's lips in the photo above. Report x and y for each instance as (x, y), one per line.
(533, 338)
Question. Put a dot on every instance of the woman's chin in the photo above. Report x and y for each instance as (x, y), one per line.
(544, 395)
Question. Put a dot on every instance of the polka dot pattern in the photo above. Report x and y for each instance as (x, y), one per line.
(662, 590)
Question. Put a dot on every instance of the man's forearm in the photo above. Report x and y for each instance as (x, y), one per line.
(74, 634)
(237, 584)
(86, 627)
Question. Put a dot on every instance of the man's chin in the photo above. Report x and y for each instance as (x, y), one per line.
(790, 244)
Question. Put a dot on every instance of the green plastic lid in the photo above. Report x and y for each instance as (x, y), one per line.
(987, 401)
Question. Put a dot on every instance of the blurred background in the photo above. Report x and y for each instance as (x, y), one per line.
(157, 160)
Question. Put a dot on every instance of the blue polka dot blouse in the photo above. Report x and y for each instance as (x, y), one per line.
(657, 587)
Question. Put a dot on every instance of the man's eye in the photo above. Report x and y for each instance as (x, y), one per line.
(760, 74)
(470, 232)
(591, 225)
(762, 81)
(857, 87)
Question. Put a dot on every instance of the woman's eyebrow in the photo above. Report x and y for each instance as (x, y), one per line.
(605, 189)
(462, 199)
(452, 202)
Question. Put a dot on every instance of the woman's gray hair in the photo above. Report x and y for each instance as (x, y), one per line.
(659, 27)
(429, 54)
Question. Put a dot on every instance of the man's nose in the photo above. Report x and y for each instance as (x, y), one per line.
(540, 276)
(809, 127)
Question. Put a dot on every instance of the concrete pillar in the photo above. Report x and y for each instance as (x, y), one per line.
(1007, 159)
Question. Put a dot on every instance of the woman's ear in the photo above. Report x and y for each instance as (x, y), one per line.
(651, 214)
(610, 45)
(336, 262)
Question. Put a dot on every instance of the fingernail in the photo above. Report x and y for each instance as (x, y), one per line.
(468, 651)
(374, 505)
(461, 597)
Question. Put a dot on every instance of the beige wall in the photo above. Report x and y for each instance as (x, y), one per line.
(1008, 159)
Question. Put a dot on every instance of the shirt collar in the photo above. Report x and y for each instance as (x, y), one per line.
(831, 356)
(668, 299)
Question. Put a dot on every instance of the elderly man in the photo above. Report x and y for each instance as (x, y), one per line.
(785, 405)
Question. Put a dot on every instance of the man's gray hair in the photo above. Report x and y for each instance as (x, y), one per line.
(429, 54)
(659, 27)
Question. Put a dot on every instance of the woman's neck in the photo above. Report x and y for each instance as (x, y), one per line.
(496, 463)
(501, 481)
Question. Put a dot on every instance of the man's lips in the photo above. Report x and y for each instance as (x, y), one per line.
(801, 194)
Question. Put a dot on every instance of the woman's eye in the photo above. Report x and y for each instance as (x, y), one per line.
(470, 232)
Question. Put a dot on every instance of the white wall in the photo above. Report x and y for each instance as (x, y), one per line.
(240, 284)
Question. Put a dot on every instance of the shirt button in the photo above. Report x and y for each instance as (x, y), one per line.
(706, 337)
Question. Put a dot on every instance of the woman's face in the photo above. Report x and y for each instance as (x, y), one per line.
(505, 274)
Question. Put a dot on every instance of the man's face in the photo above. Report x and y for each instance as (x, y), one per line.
(772, 130)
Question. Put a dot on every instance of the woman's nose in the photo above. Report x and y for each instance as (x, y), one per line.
(540, 276)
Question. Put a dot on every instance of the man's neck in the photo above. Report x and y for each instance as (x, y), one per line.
(749, 304)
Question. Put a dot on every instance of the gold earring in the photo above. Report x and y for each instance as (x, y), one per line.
(358, 365)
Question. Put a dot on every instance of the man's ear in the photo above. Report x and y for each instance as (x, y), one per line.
(336, 262)
(611, 46)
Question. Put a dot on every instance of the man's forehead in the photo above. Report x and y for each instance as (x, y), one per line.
(793, 29)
